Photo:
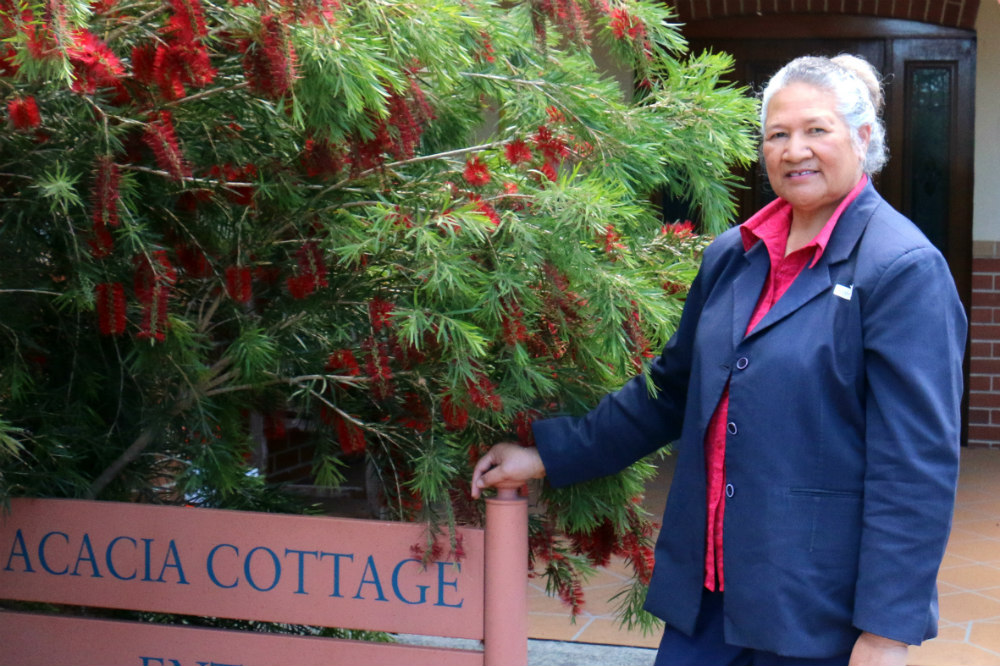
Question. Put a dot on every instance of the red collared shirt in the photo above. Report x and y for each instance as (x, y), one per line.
(771, 225)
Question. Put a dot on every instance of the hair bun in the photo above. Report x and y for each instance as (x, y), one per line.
(868, 75)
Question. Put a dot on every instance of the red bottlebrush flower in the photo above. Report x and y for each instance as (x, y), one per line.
(455, 417)
(368, 153)
(342, 362)
(551, 146)
(612, 242)
(378, 370)
(105, 194)
(555, 114)
(598, 545)
(522, 425)
(549, 171)
(322, 159)
(401, 219)
(415, 416)
(407, 127)
(311, 271)
(350, 435)
(162, 138)
(8, 67)
(486, 209)
(476, 173)
(421, 108)
(151, 274)
(517, 151)
(41, 41)
(380, 313)
(482, 393)
(24, 113)
(269, 64)
(679, 230)
(143, 61)
(94, 64)
(103, 6)
(110, 297)
(176, 65)
(622, 23)
(154, 315)
(238, 188)
(300, 286)
(187, 22)
(672, 287)
(514, 330)
(238, 283)
(315, 12)
(193, 261)
(102, 243)
(484, 48)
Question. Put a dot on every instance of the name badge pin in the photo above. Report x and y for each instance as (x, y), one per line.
(844, 292)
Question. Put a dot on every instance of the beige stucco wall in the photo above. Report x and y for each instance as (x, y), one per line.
(986, 194)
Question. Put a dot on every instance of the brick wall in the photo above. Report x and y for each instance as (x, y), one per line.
(984, 356)
(951, 13)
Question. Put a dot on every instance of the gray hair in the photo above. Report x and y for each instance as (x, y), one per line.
(856, 86)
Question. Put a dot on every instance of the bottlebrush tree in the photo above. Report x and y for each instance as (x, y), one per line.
(417, 225)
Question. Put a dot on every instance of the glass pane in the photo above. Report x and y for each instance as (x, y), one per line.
(929, 145)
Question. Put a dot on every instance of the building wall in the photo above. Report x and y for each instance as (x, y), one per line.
(984, 362)
(954, 13)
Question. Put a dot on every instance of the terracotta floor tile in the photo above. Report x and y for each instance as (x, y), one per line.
(968, 606)
(953, 632)
(972, 576)
(948, 653)
(985, 527)
(606, 630)
(977, 550)
(556, 627)
(548, 605)
(986, 634)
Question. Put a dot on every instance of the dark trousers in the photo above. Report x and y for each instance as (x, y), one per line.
(707, 647)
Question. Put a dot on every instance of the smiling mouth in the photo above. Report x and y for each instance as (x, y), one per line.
(803, 172)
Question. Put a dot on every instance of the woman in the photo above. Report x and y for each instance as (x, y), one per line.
(813, 388)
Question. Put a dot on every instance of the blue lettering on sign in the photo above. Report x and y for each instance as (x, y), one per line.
(42, 560)
(109, 561)
(336, 569)
(118, 559)
(442, 583)
(399, 593)
(22, 553)
(176, 564)
(370, 566)
(210, 565)
(85, 546)
(157, 661)
(277, 569)
(302, 567)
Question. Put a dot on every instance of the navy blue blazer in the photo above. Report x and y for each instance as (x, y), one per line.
(842, 452)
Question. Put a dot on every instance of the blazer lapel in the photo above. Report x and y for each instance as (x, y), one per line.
(746, 289)
(816, 280)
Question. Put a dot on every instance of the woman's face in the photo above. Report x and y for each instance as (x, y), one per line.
(810, 158)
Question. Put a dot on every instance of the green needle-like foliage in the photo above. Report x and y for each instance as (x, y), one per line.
(410, 228)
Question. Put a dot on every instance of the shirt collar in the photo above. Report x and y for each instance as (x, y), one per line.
(772, 223)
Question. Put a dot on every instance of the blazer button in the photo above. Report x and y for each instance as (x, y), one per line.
(742, 363)
(731, 428)
(730, 491)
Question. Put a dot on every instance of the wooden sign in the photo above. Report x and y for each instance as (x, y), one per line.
(303, 570)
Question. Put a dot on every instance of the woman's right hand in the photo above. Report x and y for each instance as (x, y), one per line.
(506, 465)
